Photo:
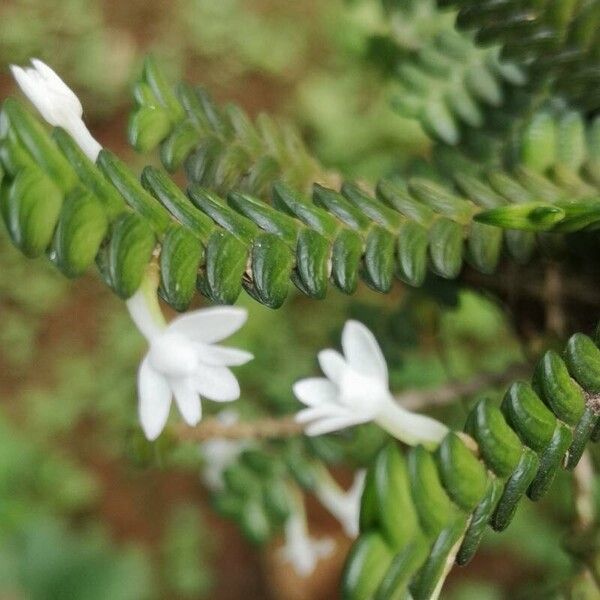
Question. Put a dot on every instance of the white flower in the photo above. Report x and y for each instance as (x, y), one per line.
(56, 102)
(355, 390)
(301, 550)
(219, 453)
(344, 506)
(183, 360)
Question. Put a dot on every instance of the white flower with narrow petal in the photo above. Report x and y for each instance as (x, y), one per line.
(183, 360)
(56, 102)
(301, 550)
(343, 505)
(356, 390)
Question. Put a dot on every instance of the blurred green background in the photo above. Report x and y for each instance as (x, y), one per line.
(88, 510)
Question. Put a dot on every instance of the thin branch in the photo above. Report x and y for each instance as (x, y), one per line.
(446, 394)
(283, 427)
(269, 427)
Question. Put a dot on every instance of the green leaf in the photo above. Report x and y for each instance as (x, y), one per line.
(374, 209)
(226, 259)
(379, 259)
(446, 247)
(81, 228)
(366, 564)
(164, 94)
(88, 174)
(178, 146)
(267, 218)
(32, 210)
(312, 257)
(427, 579)
(498, 443)
(148, 127)
(440, 200)
(272, 264)
(538, 142)
(462, 475)
(176, 202)
(392, 489)
(34, 138)
(293, 203)
(346, 255)
(434, 508)
(484, 245)
(583, 360)
(527, 415)
(396, 196)
(180, 256)
(413, 244)
(515, 488)
(554, 385)
(531, 216)
(218, 211)
(129, 252)
(130, 188)
(340, 207)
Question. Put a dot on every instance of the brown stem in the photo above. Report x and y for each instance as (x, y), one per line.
(446, 394)
(269, 427)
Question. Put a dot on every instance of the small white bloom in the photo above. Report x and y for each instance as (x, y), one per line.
(356, 390)
(301, 550)
(344, 506)
(183, 360)
(56, 102)
(219, 453)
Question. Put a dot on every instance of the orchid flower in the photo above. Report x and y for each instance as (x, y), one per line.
(56, 102)
(356, 390)
(219, 453)
(343, 505)
(300, 549)
(183, 360)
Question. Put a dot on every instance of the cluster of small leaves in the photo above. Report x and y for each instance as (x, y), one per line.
(448, 497)
(221, 149)
(261, 485)
(102, 212)
(444, 80)
(259, 488)
(558, 42)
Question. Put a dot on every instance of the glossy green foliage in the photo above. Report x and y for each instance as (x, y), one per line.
(220, 148)
(441, 77)
(221, 245)
(556, 41)
(422, 511)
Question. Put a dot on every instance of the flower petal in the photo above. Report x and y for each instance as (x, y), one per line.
(315, 390)
(319, 412)
(210, 325)
(363, 352)
(332, 364)
(154, 400)
(58, 85)
(145, 319)
(188, 402)
(222, 356)
(29, 82)
(332, 424)
(215, 383)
